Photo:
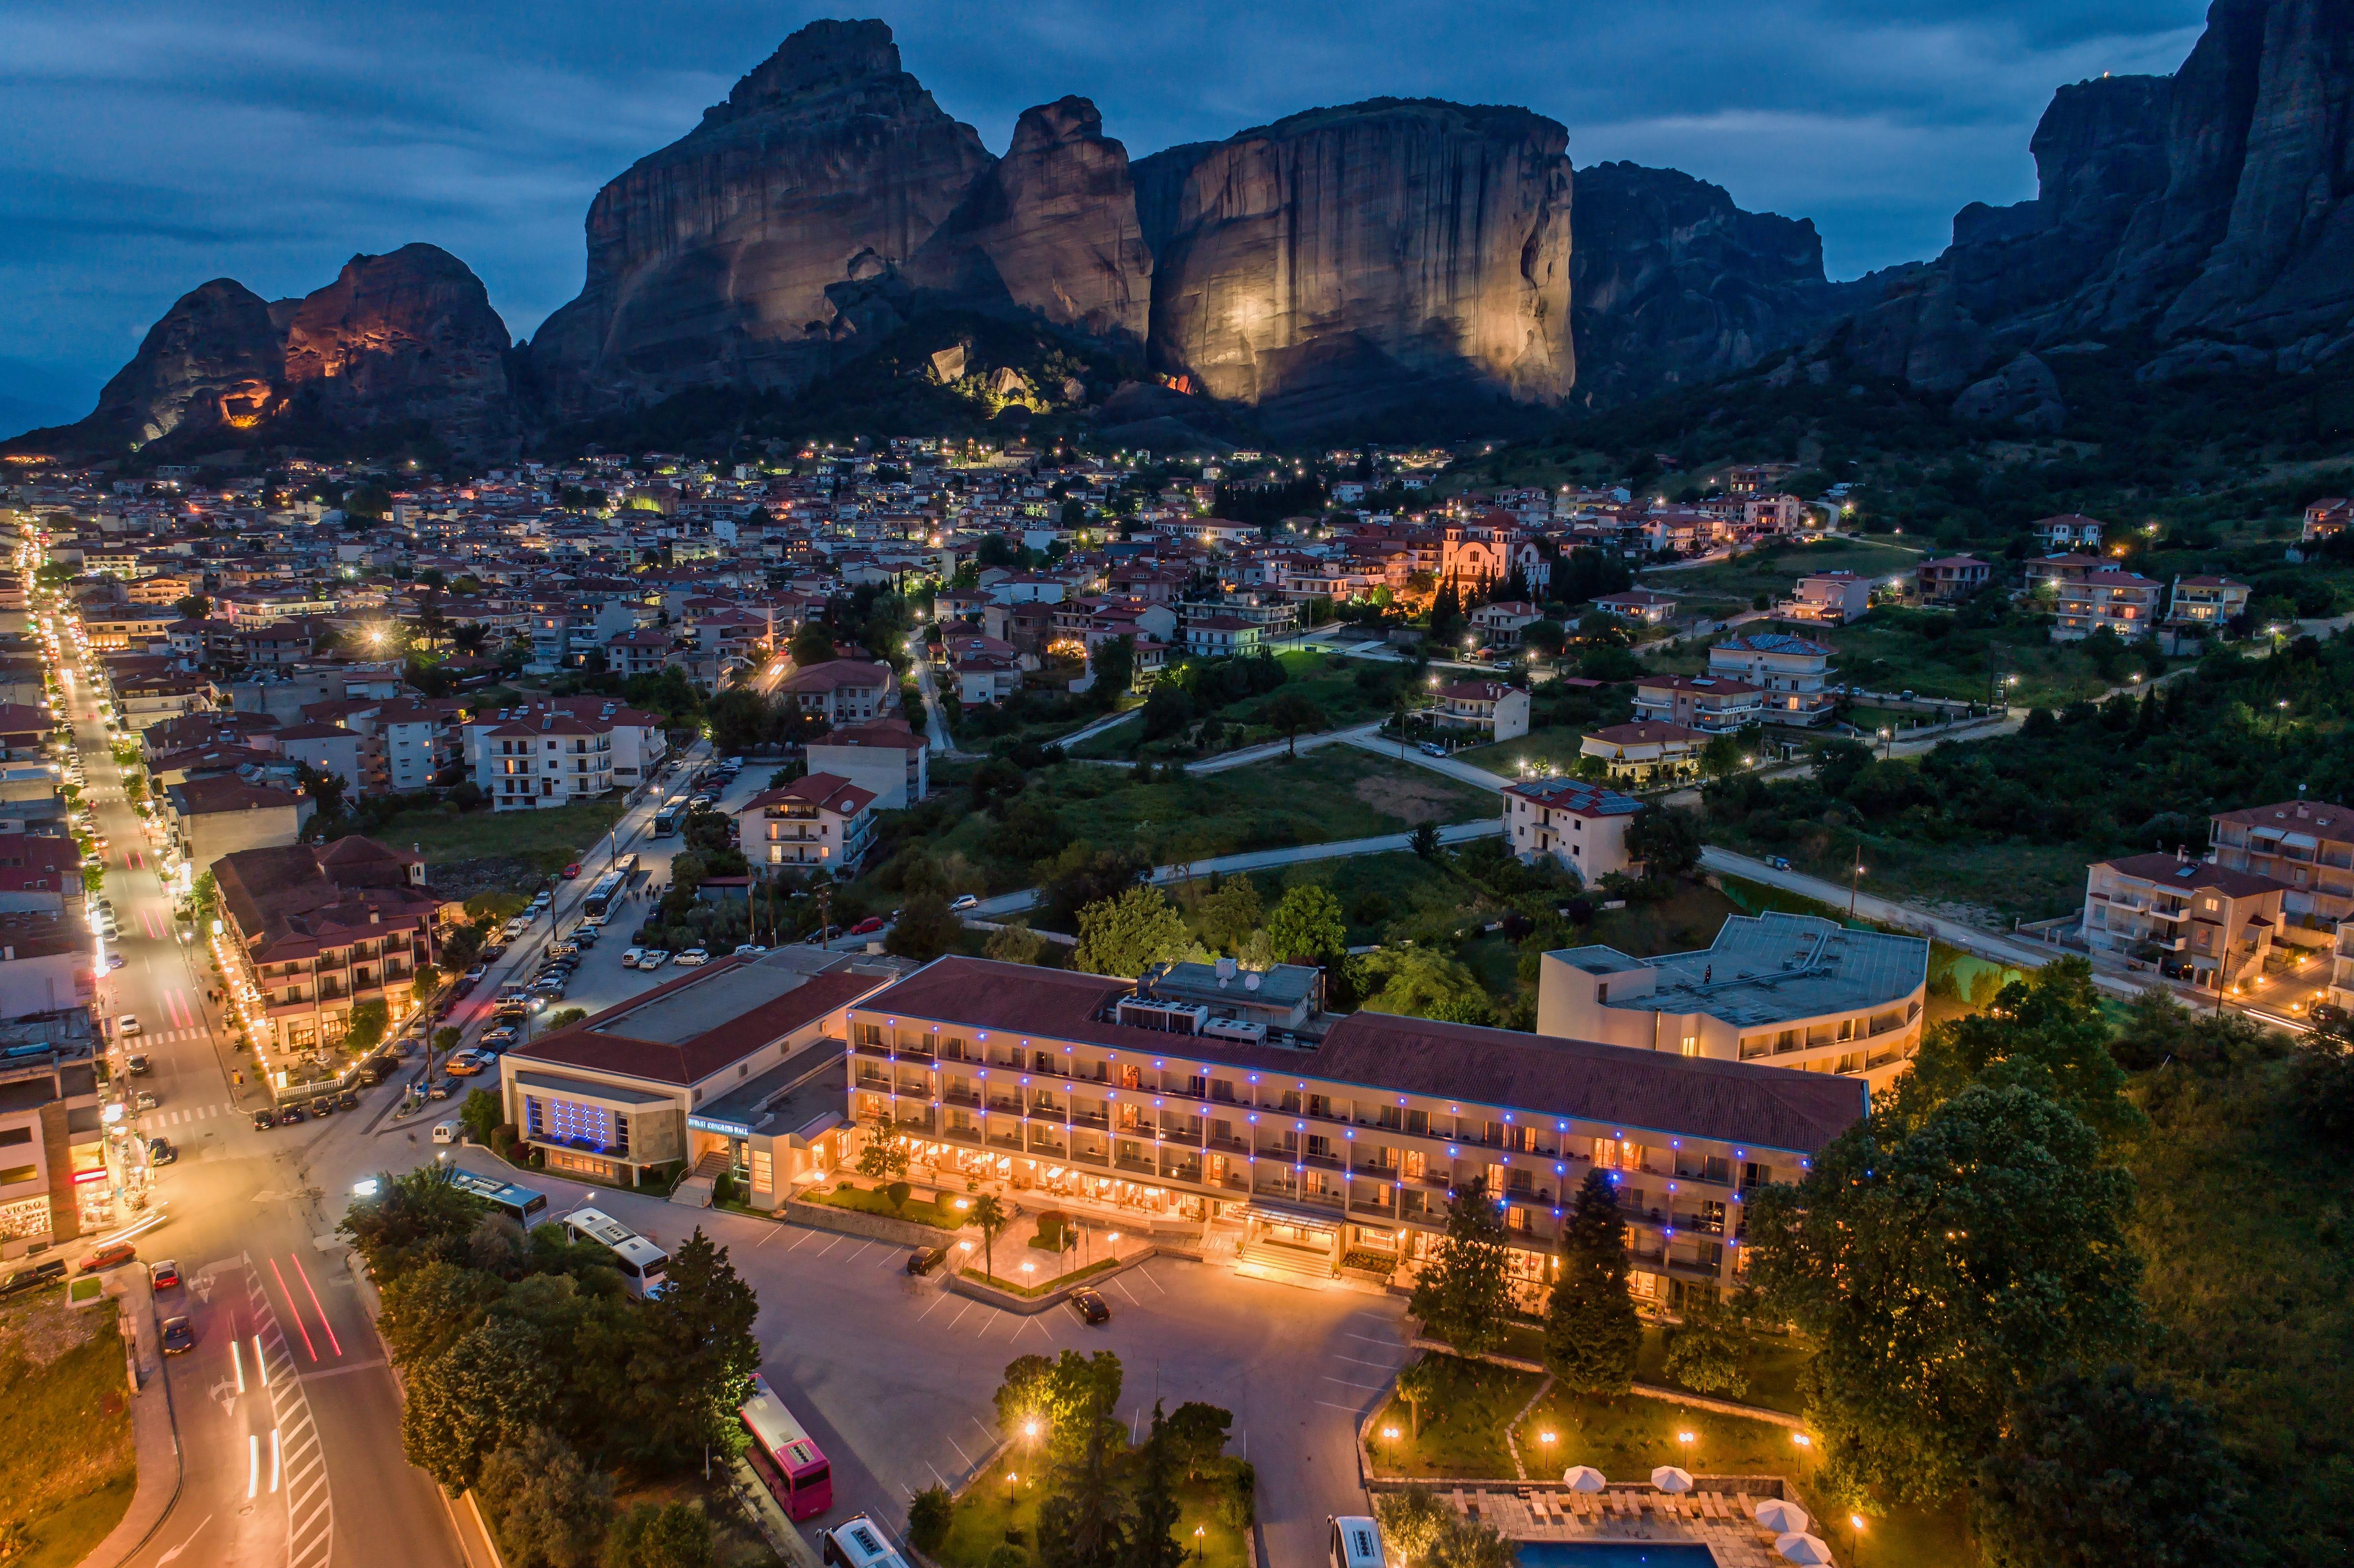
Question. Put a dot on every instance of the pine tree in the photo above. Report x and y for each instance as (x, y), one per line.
(1152, 1540)
(1592, 1334)
(1465, 1290)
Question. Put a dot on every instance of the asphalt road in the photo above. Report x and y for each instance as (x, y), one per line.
(288, 1417)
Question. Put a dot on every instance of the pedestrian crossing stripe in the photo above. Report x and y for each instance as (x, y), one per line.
(155, 1120)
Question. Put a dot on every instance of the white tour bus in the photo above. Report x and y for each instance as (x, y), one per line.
(640, 1262)
(1356, 1543)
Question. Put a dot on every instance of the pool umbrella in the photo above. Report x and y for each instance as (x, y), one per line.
(1668, 1479)
(1781, 1518)
(1802, 1549)
(1583, 1478)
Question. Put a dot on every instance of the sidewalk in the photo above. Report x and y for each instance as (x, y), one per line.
(154, 1427)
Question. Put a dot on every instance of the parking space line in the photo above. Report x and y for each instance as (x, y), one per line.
(1330, 1406)
(959, 1448)
(1385, 1366)
(831, 1245)
(1146, 1275)
(960, 1317)
(1392, 1342)
(1376, 1387)
(803, 1237)
(774, 1232)
(938, 1298)
(859, 1254)
(1123, 1289)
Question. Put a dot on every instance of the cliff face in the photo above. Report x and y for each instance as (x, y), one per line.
(212, 356)
(1383, 239)
(2212, 209)
(1050, 228)
(745, 250)
(407, 335)
(1670, 283)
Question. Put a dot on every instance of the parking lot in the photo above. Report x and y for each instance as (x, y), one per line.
(895, 1373)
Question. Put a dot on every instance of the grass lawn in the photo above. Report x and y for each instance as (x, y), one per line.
(67, 1466)
(1557, 747)
(1462, 1430)
(867, 1201)
(1992, 882)
(1687, 918)
(1038, 1283)
(1372, 889)
(995, 1513)
(1774, 1364)
(551, 840)
(1902, 651)
(1776, 570)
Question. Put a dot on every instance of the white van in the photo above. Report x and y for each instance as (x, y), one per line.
(446, 1132)
(1356, 1543)
(860, 1543)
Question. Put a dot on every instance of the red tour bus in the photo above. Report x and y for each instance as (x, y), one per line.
(783, 1455)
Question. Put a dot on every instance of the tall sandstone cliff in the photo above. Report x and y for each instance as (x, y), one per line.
(407, 335)
(2213, 211)
(746, 250)
(1386, 240)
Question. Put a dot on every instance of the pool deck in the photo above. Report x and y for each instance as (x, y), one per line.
(1724, 1522)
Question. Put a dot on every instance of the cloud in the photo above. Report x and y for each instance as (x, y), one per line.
(149, 145)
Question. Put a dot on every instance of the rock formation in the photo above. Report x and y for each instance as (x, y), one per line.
(722, 257)
(2213, 211)
(1051, 228)
(408, 335)
(1346, 248)
(214, 357)
(1671, 283)
(2023, 393)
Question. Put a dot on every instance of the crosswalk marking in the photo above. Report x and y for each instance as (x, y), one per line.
(163, 1119)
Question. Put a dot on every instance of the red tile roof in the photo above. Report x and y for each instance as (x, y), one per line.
(589, 1045)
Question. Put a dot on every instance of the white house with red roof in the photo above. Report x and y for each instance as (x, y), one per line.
(843, 690)
(817, 819)
(1498, 712)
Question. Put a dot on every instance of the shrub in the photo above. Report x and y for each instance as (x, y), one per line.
(930, 1513)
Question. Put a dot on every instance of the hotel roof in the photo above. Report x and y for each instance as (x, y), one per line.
(1766, 968)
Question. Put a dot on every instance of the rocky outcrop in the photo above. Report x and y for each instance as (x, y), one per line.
(2213, 211)
(1050, 228)
(1671, 283)
(2023, 393)
(408, 335)
(213, 359)
(1396, 241)
(731, 254)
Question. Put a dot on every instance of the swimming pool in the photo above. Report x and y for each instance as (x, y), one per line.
(1614, 1554)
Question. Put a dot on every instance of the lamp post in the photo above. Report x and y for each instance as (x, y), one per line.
(1855, 874)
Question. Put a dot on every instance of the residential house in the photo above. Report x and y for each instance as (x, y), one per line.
(883, 757)
(1581, 826)
(1713, 704)
(2327, 518)
(1222, 637)
(1950, 579)
(1827, 598)
(2308, 847)
(1647, 751)
(819, 819)
(2071, 532)
(2193, 919)
(982, 670)
(2123, 603)
(2203, 605)
(1790, 673)
(1492, 709)
(1639, 605)
(336, 752)
(541, 761)
(638, 653)
(1793, 990)
(1499, 624)
(843, 690)
(221, 815)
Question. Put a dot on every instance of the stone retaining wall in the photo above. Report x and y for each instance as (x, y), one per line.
(871, 1227)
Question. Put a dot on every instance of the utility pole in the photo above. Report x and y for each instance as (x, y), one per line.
(1855, 875)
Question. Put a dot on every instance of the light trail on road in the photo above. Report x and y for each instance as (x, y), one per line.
(294, 1311)
(335, 1344)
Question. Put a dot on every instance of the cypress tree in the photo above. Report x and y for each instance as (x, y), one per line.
(1592, 1334)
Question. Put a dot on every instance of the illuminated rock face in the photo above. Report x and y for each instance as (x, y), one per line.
(408, 335)
(216, 341)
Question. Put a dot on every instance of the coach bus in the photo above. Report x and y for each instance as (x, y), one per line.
(597, 907)
(521, 1204)
(783, 1457)
(640, 1262)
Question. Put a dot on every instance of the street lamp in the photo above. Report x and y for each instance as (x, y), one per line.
(1854, 876)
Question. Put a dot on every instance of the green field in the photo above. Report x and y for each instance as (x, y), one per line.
(996, 1515)
(67, 1466)
(1557, 748)
(1372, 889)
(550, 840)
(1775, 571)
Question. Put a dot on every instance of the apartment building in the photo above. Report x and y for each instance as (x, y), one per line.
(1713, 704)
(1581, 826)
(819, 819)
(336, 752)
(843, 690)
(1499, 624)
(886, 757)
(1222, 636)
(739, 1067)
(2124, 603)
(2308, 847)
(1207, 1098)
(55, 1179)
(1641, 605)
(2192, 920)
(2204, 604)
(1490, 709)
(2327, 518)
(1790, 673)
(2070, 532)
(1796, 991)
(542, 763)
(315, 928)
(1646, 752)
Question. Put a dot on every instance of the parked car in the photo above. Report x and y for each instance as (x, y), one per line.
(32, 1277)
(144, 1101)
(113, 1256)
(465, 1066)
(473, 977)
(263, 1120)
(965, 901)
(629, 959)
(179, 1336)
(925, 1259)
(347, 1100)
(516, 927)
(868, 926)
(446, 1132)
(654, 960)
(749, 949)
(2325, 1012)
(164, 1275)
(1432, 748)
(1090, 1306)
(441, 1089)
(323, 1104)
(572, 871)
(160, 1151)
(291, 1115)
(693, 957)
